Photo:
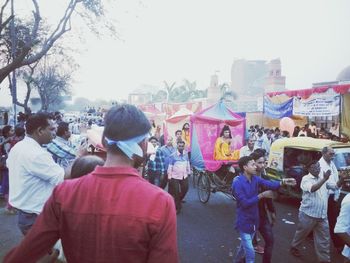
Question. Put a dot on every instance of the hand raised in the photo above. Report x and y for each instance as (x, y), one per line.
(327, 174)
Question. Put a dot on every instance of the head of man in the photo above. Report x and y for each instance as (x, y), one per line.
(178, 134)
(63, 130)
(277, 132)
(125, 133)
(314, 168)
(154, 141)
(169, 141)
(180, 146)
(250, 143)
(247, 165)
(259, 159)
(41, 128)
(328, 154)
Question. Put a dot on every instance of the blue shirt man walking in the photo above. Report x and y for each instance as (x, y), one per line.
(245, 189)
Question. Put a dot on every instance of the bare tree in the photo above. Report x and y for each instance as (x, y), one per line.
(33, 48)
(52, 85)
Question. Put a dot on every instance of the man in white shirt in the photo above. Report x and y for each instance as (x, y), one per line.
(313, 213)
(33, 172)
(248, 149)
(342, 228)
(333, 185)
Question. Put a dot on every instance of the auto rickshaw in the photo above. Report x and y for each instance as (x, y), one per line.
(289, 156)
(94, 137)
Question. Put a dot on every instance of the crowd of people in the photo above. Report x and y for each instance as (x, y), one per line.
(64, 196)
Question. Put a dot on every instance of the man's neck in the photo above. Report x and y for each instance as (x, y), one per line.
(118, 160)
(328, 162)
(34, 138)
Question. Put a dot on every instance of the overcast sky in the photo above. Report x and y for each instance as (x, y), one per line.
(171, 40)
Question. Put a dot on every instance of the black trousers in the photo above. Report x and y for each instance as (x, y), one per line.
(178, 189)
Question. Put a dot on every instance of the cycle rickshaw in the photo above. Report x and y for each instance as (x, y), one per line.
(214, 175)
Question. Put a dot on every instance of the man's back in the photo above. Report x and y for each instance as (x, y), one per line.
(111, 215)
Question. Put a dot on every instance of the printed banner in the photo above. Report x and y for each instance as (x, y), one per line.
(316, 107)
(278, 111)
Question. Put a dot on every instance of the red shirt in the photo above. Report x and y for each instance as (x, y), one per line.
(110, 215)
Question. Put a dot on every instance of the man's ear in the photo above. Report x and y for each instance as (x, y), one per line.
(39, 131)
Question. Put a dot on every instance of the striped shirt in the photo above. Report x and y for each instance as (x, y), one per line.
(314, 204)
(61, 151)
(157, 165)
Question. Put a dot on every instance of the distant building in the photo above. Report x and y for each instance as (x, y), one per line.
(139, 98)
(214, 92)
(256, 77)
(250, 79)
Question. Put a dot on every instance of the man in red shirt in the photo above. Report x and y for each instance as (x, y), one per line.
(111, 214)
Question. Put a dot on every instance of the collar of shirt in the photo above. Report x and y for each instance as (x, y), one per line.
(32, 141)
(115, 171)
(180, 154)
(61, 140)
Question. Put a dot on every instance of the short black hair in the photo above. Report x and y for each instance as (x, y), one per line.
(153, 138)
(122, 122)
(35, 121)
(244, 161)
(260, 151)
(6, 130)
(256, 155)
(19, 131)
(178, 131)
(85, 165)
(62, 128)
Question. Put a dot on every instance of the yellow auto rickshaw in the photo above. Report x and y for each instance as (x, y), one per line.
(289, 156)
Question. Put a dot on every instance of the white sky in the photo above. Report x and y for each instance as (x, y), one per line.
(172, 40)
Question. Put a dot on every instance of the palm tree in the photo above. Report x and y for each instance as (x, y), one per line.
(226, 93)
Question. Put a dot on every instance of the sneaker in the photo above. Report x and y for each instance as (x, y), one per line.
(295, 252)
(259, 249)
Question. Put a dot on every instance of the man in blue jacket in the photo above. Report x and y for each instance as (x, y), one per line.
(245, 188)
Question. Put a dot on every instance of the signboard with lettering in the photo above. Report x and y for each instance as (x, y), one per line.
(316, 107)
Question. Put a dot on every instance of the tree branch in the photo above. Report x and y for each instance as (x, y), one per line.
(2, 25)
(56, 34)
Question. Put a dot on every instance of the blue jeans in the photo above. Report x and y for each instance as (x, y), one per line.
(5, 181)
(25, 221)
(265, 230)
(245, 249)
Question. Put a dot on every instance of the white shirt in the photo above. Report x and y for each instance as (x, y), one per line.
(314, 204)
(33, 174)
(333, 179)
(343, 222)
(245, 151)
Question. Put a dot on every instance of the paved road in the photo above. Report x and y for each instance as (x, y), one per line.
(205, 231)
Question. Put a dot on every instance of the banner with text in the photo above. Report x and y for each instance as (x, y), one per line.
(316, 107)
(278, 111)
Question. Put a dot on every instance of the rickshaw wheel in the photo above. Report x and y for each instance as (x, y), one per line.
(195, 175)
(203, 188)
